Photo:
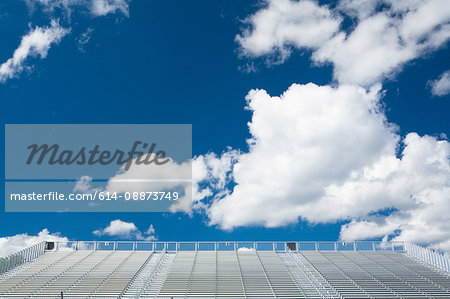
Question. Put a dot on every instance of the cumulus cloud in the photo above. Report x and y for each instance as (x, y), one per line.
(410, 182)
(284, 24)
(210, 174)
(210, 168)
(35, 43)
(376, 48)
(418, 185)
(326, 154)
(138, 176)
(12, 244)
(172, 176)
(296, 141)
(167, 177)
(441, 86)
(95, 7)
(128, 230)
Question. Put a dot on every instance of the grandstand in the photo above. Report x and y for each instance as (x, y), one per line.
(225, 270)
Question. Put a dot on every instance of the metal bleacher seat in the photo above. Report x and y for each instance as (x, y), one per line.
(225, 270)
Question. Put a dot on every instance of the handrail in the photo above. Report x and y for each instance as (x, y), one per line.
(136, 275)
(25, 255)
(145, 283)
(429, 256)
(311, 275)
(278, 246)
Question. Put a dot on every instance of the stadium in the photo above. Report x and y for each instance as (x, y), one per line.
(123, 269)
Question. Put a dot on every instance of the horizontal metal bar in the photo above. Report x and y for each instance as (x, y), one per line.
(280, 246)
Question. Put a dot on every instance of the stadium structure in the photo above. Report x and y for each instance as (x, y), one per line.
(225, 270)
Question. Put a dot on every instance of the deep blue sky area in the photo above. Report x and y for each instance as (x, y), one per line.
(175, 62)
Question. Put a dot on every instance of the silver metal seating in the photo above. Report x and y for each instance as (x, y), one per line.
(227, 270)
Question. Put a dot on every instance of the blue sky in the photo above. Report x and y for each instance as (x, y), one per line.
(178, 62)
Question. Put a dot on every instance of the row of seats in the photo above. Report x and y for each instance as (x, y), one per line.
(77, 274)
(378, 274)
(224, 274)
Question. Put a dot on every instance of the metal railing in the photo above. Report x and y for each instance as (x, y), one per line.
(25, 255)
(429, 256)
(277, 246)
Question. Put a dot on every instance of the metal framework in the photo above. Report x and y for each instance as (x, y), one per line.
(25, 255)
(426, 255)
(113, 269)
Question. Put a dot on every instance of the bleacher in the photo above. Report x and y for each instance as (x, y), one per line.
(225, 270)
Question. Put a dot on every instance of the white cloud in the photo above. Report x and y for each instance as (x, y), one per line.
(360, 9)
(12, 244)
(296, 152)
(138, 176)
(144, 178)
(36, 43)
(122, 229)
(373, 50)
(150, 230)
(441, 86)
(117, 228)
(380, 43)
(427, 221)
(418, 187)
(39, 40)
(328, 154)
(246, 249)
(171, 176)
(104, 7)
(283, 24)
(366, 229)
(84, 38)
(406, 184)
(83, 185)
(208, 168)
(214, 169)
(95, 7)
(49, 6)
